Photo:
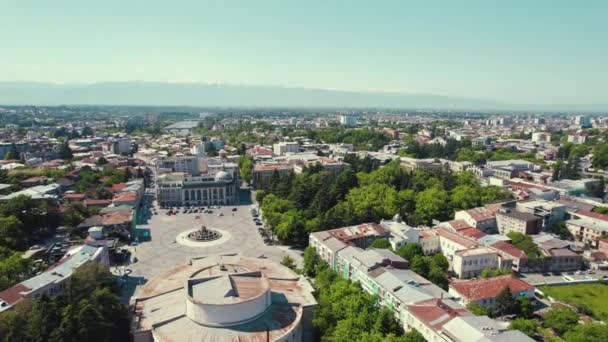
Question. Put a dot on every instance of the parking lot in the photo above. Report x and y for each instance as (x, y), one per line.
(161, 252)
(539, 279)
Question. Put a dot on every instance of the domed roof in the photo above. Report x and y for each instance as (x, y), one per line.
(223, 176)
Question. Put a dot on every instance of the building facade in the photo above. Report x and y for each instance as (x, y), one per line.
(181, 190)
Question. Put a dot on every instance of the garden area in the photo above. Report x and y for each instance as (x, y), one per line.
(591, 299)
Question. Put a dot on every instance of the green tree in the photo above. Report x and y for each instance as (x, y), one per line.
(600, 156)
(373, 202)
(43, 319)
(65, 152)
(101, 161)
(311, 261)
(246, 167)
(561, 320)
(87, 131)
(526, 309)
(420, 265)
(12, 233)
(431, 204)
(13, 268)
(527, 326)
(288, 262)
(291, 227)
(505, 303)
(477, 309)
(409, 251)
(13, 153)
(440, 261)
(380, 243)
(465, 197)
(588, 332)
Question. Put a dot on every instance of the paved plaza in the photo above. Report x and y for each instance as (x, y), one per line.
(162, 251)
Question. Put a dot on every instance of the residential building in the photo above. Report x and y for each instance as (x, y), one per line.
(348, 120)
(541, 137)
(471, 262)
(485, 291)
(548, 211)
(587, 230)
(577, 138)
(400, 232)
(481, 218)
(509, 220)
(284, 147)
(52, 281)
(265, 172)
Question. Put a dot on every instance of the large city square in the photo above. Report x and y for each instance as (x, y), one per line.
(166, 245)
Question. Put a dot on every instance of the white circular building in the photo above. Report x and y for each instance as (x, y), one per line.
(239, 300)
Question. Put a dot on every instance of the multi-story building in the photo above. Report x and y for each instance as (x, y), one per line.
(265, 172)
(484, 291)
(415, 302)
(577, 138)
(192, 165)
(285, 147)
(481, 218)
(348, 120)
(52, 281)
(509, 220)
(583, 121)
(179, 189)
(470, 263)
(549, 212)
(587, 229)
(541, 137)
(121, 145)
(400, 233)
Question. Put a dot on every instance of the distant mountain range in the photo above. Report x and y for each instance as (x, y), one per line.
(224, 95)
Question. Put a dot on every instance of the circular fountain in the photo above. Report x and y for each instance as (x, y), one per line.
(202, 237)
(204, 234)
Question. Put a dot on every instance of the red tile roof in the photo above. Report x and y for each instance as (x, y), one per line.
(355, 232)
(472, 232)
(12, 295)
(480, 214)
(92, 201)
(263, 167)
(116, 187)
(457, 224)
(74, 196)
(459, 239)
(478, 289)
(434, 313)
(127, 196)
(509, 249)
(592, 214)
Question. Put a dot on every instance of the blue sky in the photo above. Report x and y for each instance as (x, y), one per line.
(532, 52)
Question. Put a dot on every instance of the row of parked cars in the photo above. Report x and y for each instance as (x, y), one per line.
(263, 232)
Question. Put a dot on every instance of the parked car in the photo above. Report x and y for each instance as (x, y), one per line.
(220, 214)
(233, 209)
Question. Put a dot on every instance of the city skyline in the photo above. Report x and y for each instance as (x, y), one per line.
(545, 53)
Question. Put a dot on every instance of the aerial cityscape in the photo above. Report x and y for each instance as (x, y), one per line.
(273, 172)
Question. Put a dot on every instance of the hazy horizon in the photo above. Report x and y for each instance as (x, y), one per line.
(141, 93)
(541, 53)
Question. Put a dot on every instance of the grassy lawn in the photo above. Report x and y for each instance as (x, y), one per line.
(592, 296)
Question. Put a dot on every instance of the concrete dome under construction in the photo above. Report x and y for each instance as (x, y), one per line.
(234, 299)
